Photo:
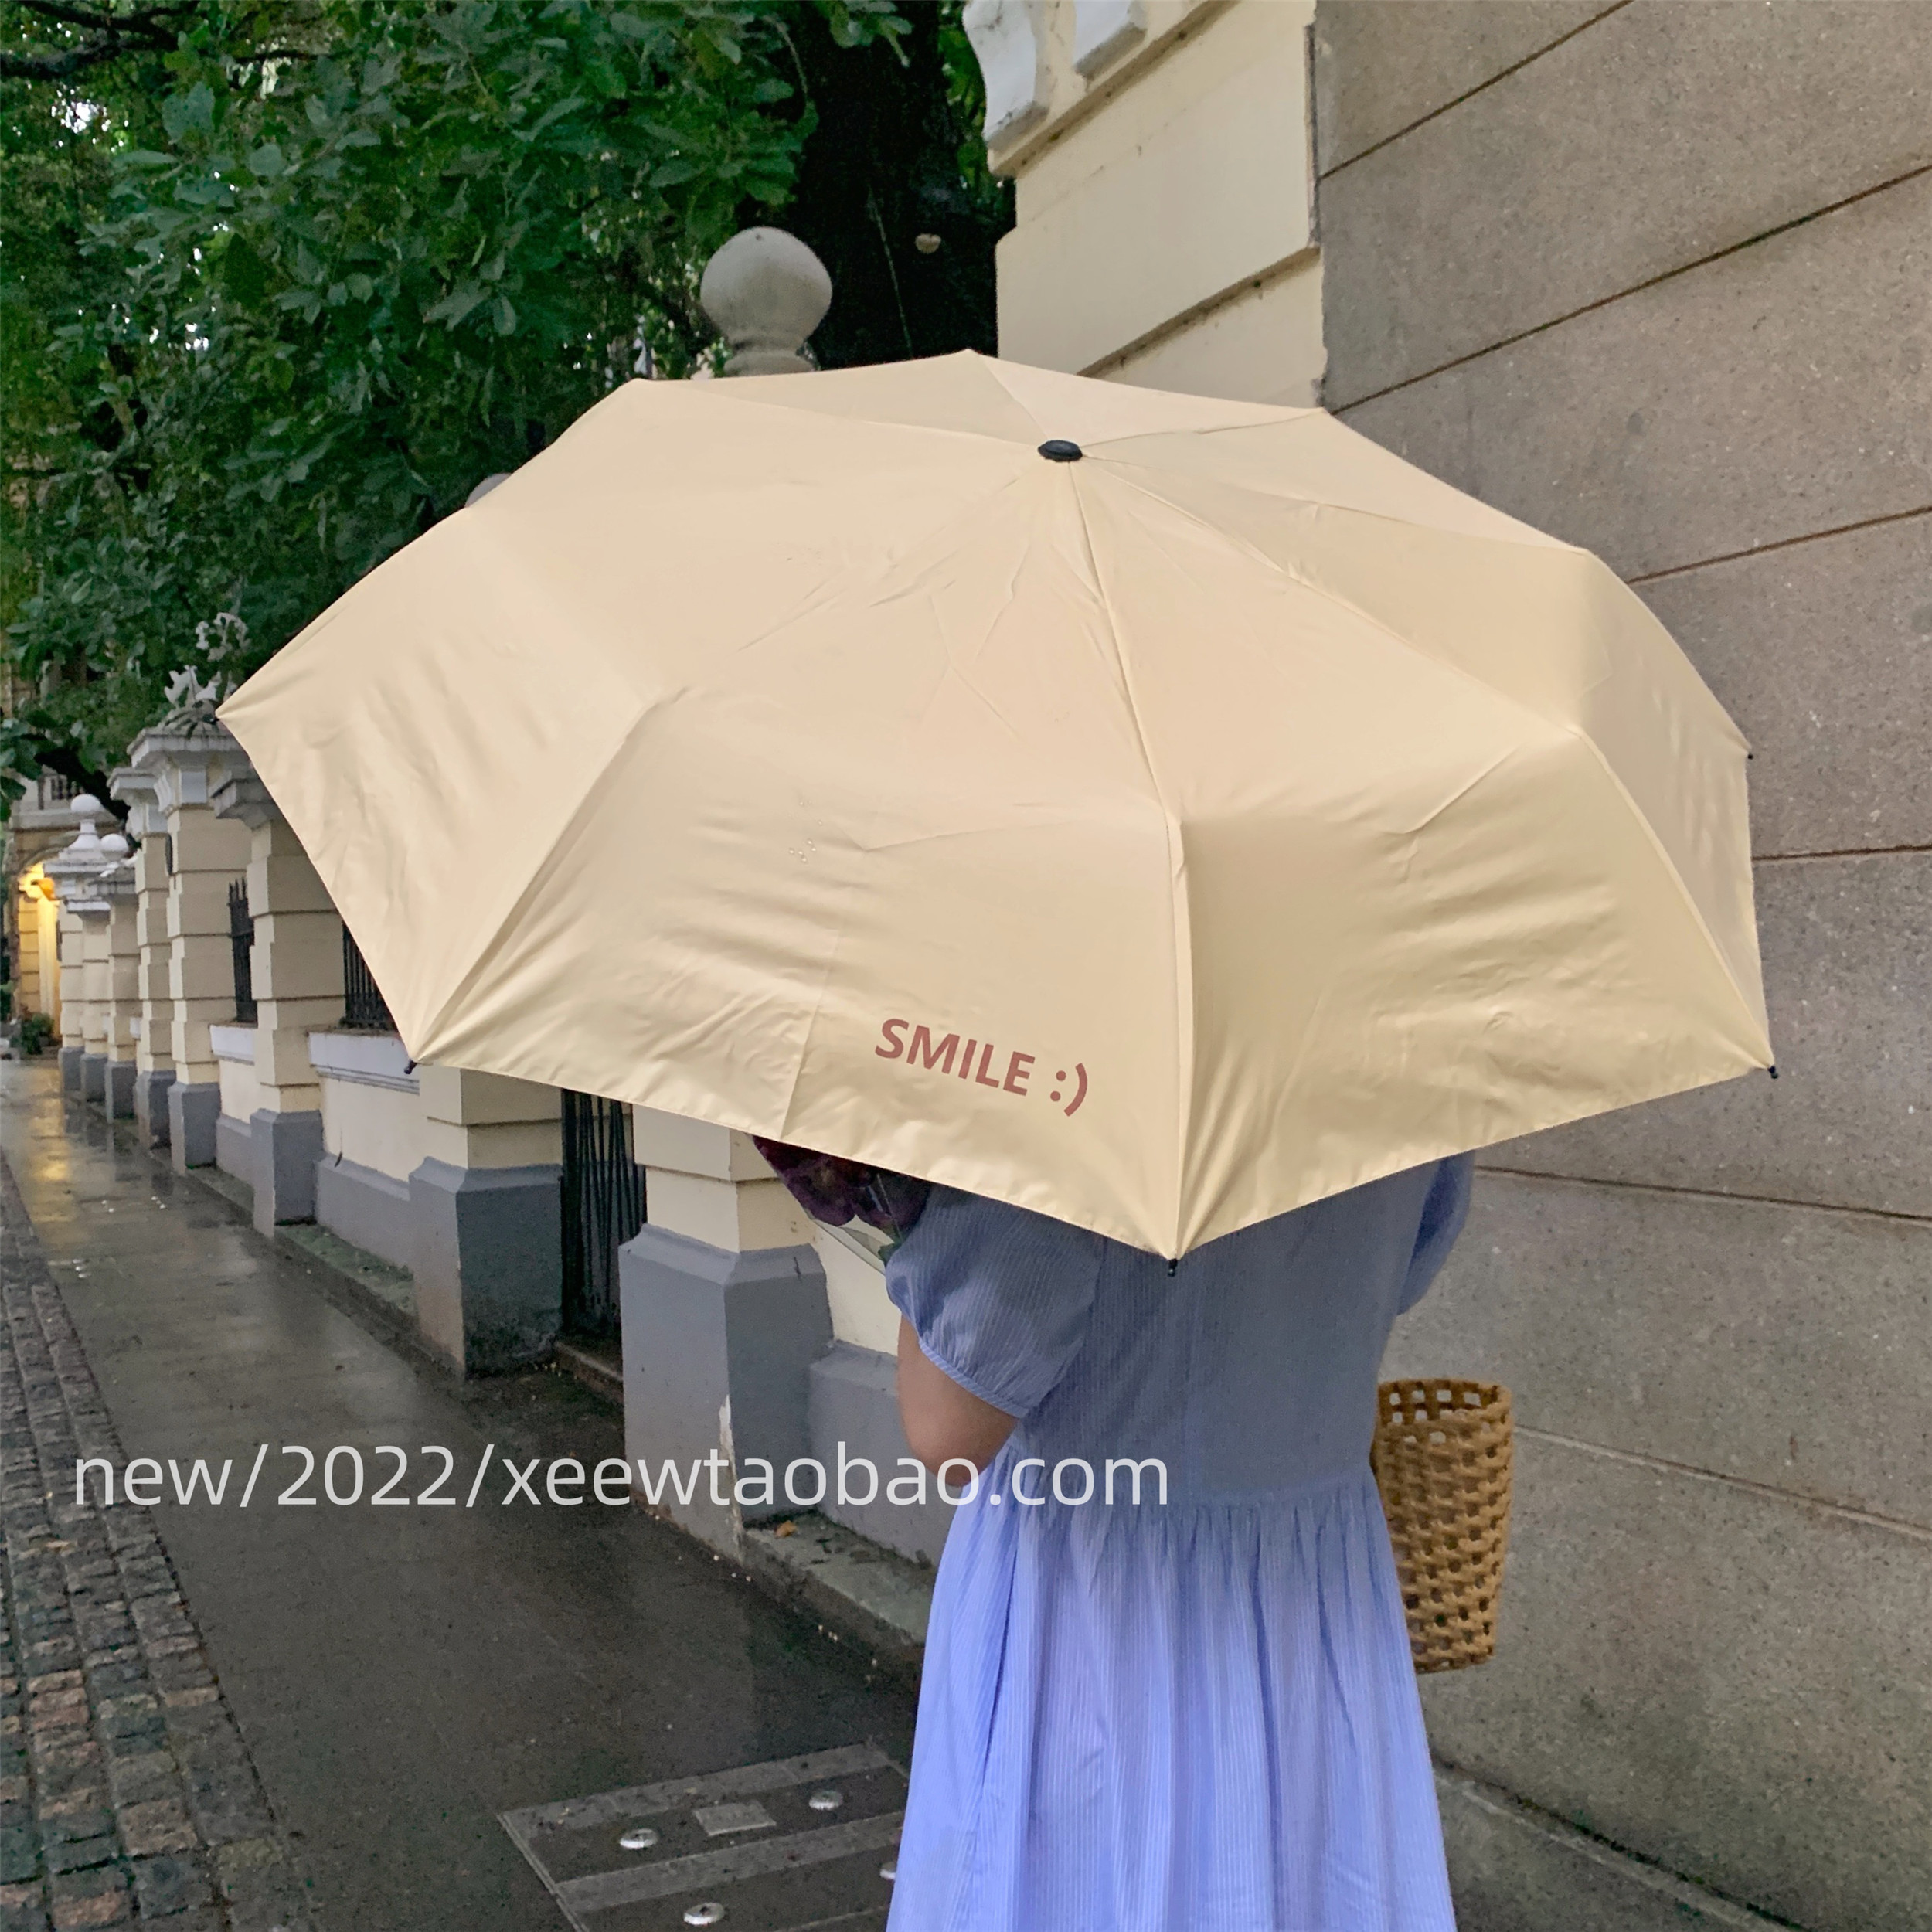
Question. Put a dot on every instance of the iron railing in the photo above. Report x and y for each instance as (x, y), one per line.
(603, 1209)
(241, 940)
(364, 1008)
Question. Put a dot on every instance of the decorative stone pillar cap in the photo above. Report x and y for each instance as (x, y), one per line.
(84, 855)
(766, 291)
(139, 793)
(188, 755)
(116, 878)
(1010, 45)
(244, 795)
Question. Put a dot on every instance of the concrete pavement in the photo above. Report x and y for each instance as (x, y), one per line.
(400, 1676)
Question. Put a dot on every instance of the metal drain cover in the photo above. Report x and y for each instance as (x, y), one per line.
(747, 1843)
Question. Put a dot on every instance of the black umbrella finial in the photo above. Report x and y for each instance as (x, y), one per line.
(1060, 451)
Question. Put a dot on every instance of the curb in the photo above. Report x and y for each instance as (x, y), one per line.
(855, 1588)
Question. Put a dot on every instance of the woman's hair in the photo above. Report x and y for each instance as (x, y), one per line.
(835, 1191)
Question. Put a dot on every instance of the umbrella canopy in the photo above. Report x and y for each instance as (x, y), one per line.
(1157, 811)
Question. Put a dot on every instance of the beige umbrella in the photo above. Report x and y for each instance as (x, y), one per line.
(1157, 811)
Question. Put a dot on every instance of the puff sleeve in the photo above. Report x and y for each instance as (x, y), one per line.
(998, 1296)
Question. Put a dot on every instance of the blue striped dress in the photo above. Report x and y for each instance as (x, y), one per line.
(1198, 1715)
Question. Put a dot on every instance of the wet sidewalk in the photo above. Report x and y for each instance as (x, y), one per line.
(398, 1677)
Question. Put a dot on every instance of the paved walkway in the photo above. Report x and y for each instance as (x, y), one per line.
(124, 1783)
(294, 1715)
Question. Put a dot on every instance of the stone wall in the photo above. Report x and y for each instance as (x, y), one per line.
(1162, 197)
(1654, 277)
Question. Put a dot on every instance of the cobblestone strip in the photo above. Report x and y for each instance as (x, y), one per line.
(127, 1796)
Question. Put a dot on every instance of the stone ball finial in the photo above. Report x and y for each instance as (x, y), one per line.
(765, 292)
(113, 846)
(83, 853)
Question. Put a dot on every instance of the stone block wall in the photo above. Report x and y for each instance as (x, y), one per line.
(1653, 276)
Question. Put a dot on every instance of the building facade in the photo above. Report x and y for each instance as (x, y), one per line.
(1653, 278)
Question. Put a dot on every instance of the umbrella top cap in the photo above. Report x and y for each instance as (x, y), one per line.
(1060, 450)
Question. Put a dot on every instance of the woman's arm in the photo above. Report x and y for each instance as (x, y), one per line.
(943, 1423)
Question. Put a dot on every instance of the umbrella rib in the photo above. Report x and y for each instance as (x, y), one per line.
(1178, 915)
(1317, 503)
(1572, 732)
(1327, 595)
(1676, 878)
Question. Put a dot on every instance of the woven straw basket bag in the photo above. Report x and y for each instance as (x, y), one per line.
(1441, 1457)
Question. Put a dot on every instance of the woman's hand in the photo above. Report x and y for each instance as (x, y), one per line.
(944, 1422)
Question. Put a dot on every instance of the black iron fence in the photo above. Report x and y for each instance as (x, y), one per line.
(364, 1008)
(603, 1209)
(241, 940)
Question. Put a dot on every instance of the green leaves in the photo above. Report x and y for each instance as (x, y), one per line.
(191, 113)
(309, 302)
(455, 306)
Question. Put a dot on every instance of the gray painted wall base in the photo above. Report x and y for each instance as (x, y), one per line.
(234, 1147)
(287, 1145)
(193, 1109)
(151, 1104)
(855, 1401)
(1514, 1869)
(118, 1096)
(369, 1209)
(488, 1262)
(718, 1349)
(70, 1060)
(93, 1076)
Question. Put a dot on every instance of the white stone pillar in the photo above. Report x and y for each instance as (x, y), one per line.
(721, 1296)
(153, 1048)
(710, 1184)
(723, 1311)
(94, 913)
(296, 974)
(73, 993)
(189, 760)
(72, 870)
(487, 1207)
(122, 1029)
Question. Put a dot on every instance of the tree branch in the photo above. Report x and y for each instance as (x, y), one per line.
(98, 20)
(106, 34)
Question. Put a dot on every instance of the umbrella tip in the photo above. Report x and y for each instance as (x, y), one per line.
(1060, 450)
(1774, 1072)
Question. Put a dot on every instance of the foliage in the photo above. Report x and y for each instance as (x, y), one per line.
(280, 283)
(36, 1033)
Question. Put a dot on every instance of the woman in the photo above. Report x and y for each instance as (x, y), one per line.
(1197, 1715)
